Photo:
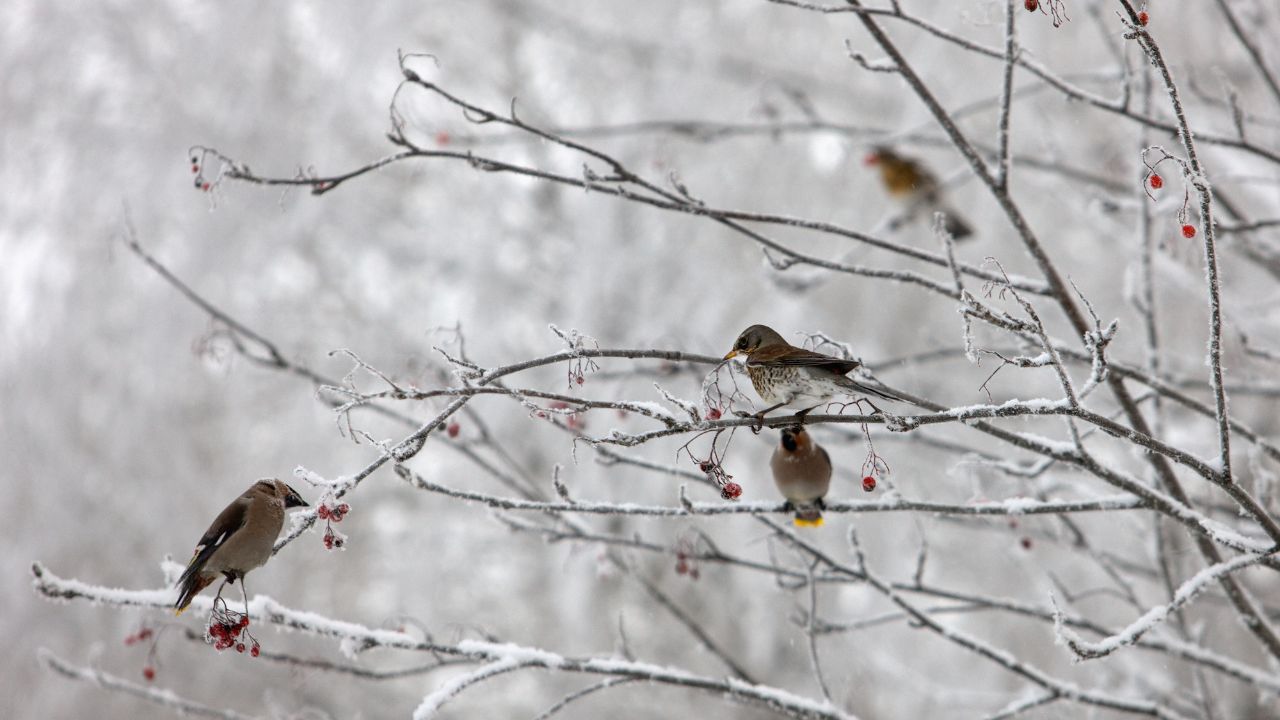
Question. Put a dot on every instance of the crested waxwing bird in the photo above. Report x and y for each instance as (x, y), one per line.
(802, 472)
(910, 181)
(240, 539)
(784, 374)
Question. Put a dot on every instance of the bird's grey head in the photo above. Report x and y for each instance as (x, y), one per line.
(754, 338)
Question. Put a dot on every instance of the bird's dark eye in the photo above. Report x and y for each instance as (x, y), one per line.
(742, 343)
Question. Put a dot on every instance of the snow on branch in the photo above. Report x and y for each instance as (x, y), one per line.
(164, 698)
(1011, 507)
(1086, 650)
(355, 638)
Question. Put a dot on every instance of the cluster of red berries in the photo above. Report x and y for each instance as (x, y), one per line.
(143, 634)
(201, 183)
(333, 539)
(685, 567)
(332, 512)
(868, 483)
(1154, 180)
(226, 634)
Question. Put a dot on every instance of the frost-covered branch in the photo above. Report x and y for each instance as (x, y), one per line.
(1086, 650)
(501, 657)
(166, 699)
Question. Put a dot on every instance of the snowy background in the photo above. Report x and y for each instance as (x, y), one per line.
(128, 421)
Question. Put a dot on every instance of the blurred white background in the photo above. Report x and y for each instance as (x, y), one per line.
(124, 430)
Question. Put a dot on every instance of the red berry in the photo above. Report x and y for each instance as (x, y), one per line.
(1026, 543)
(149, 673)
(195, 168)
(1188, 231)
(254, 650)
(705, 466)
(328, 541)
(871, 159)
(453, 429)
(579, 379)
(1031, 5)
(323, 512)
(542, 415)
(868, 483)
(442, 138)
(239, 647)
(144, 633)
(713, 414)
(344, 508)
(244, 621)
(205, 187)
(1156, 181)
(731, 491)
(1143, 18)
(682, 567)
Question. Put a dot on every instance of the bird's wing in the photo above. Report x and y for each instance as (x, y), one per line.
(231, 519)
(791, 355)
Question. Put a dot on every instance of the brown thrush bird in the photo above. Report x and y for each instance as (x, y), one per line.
(784, 374)
(909, 181)
(802, 472)
(240, 539)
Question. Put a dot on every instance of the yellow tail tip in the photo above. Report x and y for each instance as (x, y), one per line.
(805, 522)
(179, 611)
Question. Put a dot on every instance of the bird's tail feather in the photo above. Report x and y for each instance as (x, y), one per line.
(189, 587)
(849, 383)
(193, 580)
(808, 517)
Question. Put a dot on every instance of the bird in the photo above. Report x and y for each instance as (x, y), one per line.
(240, 539)
(909, 180)
(802, 472)
(784, 374)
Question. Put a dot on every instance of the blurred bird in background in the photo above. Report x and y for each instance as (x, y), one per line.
(909, 181)
(239, 540)
(802, 472)
(784, 374)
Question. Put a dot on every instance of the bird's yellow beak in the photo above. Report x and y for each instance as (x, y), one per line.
(732, 354)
